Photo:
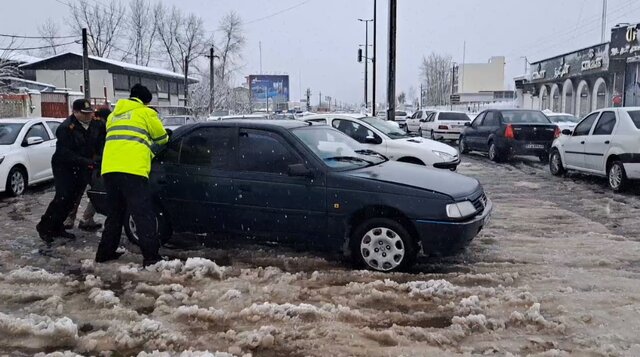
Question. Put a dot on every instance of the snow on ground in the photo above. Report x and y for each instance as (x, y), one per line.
(554, 275)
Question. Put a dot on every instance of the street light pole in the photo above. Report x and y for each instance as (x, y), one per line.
(366, 62)
(391, 72)
(374, 58)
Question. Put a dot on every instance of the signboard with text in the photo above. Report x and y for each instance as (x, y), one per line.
(272, 87)
(589, 60)
(625, 41)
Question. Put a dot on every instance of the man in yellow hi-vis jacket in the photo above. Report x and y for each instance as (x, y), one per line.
(132, 129)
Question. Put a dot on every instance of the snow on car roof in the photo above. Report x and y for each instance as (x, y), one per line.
(26, 120)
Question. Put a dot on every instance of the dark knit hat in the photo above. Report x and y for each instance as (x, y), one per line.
(141, 92)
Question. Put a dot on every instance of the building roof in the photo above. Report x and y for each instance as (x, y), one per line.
(112, 62)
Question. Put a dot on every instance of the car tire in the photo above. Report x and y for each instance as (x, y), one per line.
(494, 153)
(16, 182)
(163, 229)
(384, 245)
(420, 133)
(462, 146)
(555, 164)
(617, 176)
(432, 136)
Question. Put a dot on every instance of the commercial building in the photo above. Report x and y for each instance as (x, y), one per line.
(595, 77)
(476, 85)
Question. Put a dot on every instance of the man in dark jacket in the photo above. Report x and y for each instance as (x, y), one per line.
(78, 151)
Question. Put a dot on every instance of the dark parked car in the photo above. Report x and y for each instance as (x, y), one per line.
(503, 133)
(293, 182)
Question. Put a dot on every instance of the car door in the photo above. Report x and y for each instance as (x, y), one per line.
(489, 125)
(471, 132)
(269, 203)
(598, 143)
(362, 134)
(53, 126)
(39, 155)
(574, 145)
(194, 179)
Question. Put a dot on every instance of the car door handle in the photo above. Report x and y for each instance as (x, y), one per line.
(244, 188)
(607, 142)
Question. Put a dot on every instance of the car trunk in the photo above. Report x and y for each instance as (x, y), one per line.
(533, 132)
(456, 125)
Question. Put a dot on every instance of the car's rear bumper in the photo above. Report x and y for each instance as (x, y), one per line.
(517, 147)
(447, 238)
(446, 135)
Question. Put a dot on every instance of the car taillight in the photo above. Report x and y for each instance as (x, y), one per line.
(556, 133)
(508, 132)
(443, 127)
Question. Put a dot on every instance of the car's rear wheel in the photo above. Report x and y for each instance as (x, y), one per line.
(420, 132)
(555, 164)
(432, 136)
(163, 230)
(383, 244)
(494, 153)
(617, 176)
(16, 181)
(462, 146)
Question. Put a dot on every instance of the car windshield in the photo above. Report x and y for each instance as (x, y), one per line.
(635, 117)
(337, 150)
(389, 129)
(174, 121)
(563, 119)
(524, 117)
(452, 116)
(9, 133)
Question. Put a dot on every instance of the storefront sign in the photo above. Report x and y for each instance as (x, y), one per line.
(625, 41)
(539, 73)
(561, 71)
(592, 63)
(589, 60)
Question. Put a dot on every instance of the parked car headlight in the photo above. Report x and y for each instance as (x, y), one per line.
(460, 209)
(443, 155)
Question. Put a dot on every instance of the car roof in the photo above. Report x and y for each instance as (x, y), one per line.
(26, 120)
(558, 114)
(253, 123)
(335, 116)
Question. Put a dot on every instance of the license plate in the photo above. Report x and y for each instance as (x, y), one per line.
(534, 146)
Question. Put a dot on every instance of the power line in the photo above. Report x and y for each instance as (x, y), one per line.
(37, 37)
(277, 13)
(37, 48)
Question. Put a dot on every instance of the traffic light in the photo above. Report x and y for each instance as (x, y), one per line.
(359, 54)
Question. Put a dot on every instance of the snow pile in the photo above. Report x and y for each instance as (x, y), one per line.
(195, 268)
(103, 297)
(51, 306)
(146, 333)
(57, 354)
(432, 289)
(91, 281)
(230, 295)
(283, 312)
(35, 331)
(185, 354)
(265, 337)
(194, 312)
(128, 271)
(533, 320)
(31, 274)
(471, 322)
(469, 305)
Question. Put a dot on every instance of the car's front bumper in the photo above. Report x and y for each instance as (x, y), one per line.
(450, 165)
(447, 238)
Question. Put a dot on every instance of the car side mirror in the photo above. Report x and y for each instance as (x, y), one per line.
(299, 170)
(372, 140)
(567, 132)
(35, 140)
(467, 124)
(169, 132)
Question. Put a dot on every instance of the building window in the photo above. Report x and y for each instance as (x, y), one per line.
(133, 80)
(180, 88)
(174, 88)
(150, 84)
(120, 81)
(163, 86)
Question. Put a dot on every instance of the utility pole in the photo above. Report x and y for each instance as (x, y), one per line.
(391, 80)
(366, 62)
(319, 100)
(373, 59)
(464, 54)
(604, 21)
(260, 47)
(308, 99)
(186, 82)
(212, 79)
(420, 96)
(85, 65)
(453, 74)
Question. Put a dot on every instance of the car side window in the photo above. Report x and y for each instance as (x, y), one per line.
(207, 147)
(606, 123)
(478, 120)
(53, 125)
(418, 115)
(37, 130)
(585, 125)
(356, 131)
(490, 120)
(263, 151)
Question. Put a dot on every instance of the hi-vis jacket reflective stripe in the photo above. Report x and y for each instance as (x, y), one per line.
(131, 130)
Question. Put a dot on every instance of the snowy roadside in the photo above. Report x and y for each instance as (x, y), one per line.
(555, 274)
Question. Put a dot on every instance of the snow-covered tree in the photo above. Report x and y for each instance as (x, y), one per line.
(435, 73)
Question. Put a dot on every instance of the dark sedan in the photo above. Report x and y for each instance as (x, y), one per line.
(507, 132)
(313, 186)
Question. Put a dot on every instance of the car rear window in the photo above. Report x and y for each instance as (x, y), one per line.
(635, 116)
(524, 117)
(401, 113)
(454, 116)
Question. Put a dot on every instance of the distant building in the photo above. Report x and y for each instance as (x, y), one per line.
(110, 80)
(482, 77)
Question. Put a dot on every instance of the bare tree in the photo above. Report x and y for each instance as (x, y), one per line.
(436, 77)
(50, 33)
(402, 97)
(103, 21)
(233, 42)
(141, 32)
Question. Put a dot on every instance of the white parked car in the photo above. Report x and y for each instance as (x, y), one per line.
(445, 125)
(385, 138)
(401, 118)
(413, 123)
(605, 143)
(563, 120)
(26, 148)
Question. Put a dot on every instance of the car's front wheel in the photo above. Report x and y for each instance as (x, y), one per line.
(555, 164)
(617, 176)
(383, 244)
(462, 146)
(432, 136)
(494, 153)
(16, 182)
(162, 228)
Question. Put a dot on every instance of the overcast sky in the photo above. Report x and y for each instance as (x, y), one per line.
(315, 41)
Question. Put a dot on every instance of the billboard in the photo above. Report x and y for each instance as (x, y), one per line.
(274, 87)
